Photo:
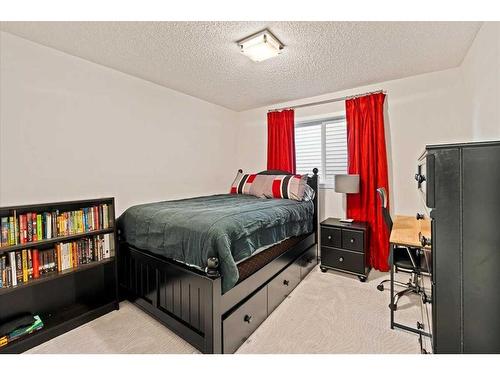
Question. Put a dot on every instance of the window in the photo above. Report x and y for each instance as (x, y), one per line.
(322, 144)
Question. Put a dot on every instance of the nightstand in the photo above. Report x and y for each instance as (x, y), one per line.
(343, 247)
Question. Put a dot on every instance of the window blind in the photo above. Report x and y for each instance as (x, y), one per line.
(322, 144)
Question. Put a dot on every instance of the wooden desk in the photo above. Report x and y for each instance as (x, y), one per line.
(406, 231)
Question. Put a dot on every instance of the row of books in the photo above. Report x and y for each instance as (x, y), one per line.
(32, 226)
(17, 267)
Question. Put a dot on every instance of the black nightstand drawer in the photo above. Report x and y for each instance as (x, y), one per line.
(331, 237)
(342, 259)
(352, 240)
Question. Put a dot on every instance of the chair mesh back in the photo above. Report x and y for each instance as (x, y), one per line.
(385, 211)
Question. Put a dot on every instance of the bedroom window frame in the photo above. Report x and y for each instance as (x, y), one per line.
(323, 182)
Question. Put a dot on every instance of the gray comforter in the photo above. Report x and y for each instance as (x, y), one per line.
(230, 227)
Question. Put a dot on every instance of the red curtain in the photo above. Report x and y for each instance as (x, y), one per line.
(281, 140)
(367, 157)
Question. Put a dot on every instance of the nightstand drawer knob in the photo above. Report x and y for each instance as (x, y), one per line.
(341, 259)
(329, 237)
(286, 282)
(352, 240)
(248, 318)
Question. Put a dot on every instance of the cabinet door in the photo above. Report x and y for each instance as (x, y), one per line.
(446, 251)
(481, 249)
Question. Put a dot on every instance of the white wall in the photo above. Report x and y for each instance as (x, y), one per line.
(71, 129)
(420, 110)
(481, 74)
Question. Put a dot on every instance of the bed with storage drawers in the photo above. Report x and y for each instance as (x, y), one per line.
(217, 302)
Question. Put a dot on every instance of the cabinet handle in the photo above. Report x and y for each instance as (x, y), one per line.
(341, 259)
(248, 318)
(286, 282)
(329, 237)
(352, 240)
(420, 216)
(420, 178)
(309, 260)
(425, 241)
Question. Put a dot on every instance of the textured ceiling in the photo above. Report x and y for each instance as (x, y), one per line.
(202, 59)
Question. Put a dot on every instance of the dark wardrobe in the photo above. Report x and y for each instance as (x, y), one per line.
(461, 183)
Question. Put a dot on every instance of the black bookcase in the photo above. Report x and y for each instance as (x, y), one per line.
(67, 299)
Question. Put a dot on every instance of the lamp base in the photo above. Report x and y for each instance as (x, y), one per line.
(346, 220)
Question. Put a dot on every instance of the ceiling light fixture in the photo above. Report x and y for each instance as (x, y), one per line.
(261, 46)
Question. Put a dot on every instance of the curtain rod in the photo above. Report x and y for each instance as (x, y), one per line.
(327, 101)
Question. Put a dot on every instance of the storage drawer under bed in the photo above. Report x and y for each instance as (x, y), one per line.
(241, 323)
(281, 286)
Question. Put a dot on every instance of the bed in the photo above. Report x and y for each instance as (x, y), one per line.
(213, 268)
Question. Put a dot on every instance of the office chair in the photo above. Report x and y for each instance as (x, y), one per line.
(404, 259)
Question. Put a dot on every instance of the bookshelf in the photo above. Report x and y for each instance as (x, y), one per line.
(69, 271)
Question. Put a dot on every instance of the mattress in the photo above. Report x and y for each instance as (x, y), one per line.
(227, 226)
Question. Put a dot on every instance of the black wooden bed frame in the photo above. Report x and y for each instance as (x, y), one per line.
(190, 302)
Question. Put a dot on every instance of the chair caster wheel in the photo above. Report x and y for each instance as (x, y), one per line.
(362, 278)
(380, 287)
(393, 307)
(323, 269)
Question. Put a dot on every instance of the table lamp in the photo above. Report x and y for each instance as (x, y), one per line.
(347, 184)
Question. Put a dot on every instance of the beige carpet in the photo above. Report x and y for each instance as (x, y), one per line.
(327, 313)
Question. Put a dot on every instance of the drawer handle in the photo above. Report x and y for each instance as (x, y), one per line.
(352, 240)
(309, 260)
(341, 259)
(286, 282)
(329, 237)
(248, 318)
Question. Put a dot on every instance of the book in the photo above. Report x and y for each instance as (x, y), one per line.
(4, 222)
(13, 268)
(26, 330)
(29, 227)
(3, 266)
(107, 246)
(16, 229)
(30, 264)
(19, 267)
(24, 255)
(11, 231)
(39, 231)
(36, 264)
(35, 228)
(23, 229)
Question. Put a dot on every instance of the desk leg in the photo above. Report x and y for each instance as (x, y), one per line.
(391, 263)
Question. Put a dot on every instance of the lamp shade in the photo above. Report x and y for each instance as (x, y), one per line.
(347, 183)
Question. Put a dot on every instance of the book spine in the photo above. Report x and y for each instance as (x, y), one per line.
(16, 229)
(19, 267)
(11, 231)
(48, 225)
(58, 256)
(13, 268)
(24, 255)
(36, 264)
(5, 231)
(39, 225)
(29, 227)
(23, 235)
(30, 264)
(3, 265)
(34, 225)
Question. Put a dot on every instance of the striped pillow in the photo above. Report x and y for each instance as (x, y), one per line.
(285, 187)
(242, 183)
(270, 186)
